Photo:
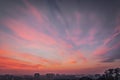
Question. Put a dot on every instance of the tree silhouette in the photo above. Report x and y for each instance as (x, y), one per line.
(112, 74)
(117, 73)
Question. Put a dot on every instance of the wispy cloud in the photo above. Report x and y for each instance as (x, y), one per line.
(53, 35)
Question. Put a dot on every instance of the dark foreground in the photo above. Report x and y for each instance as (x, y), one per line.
(110, 74)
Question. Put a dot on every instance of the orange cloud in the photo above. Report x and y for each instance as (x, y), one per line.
(29, 57)
(9, 63)
(76, 57)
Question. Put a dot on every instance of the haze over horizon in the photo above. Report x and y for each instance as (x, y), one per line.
(59, 36)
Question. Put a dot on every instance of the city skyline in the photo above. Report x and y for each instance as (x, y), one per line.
(59, 36)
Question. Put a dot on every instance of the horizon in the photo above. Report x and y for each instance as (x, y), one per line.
(58, 36)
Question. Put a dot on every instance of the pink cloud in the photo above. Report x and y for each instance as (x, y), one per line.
(78, 18)
(42, 19)
(73, 34)
(27, 32)
(89, 40)
(77, 55)
(34, 12)
(101, 50)
(71, 61)
(64, 44)
(81, 56)
(109, 39)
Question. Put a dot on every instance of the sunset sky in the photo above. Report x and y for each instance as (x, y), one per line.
(60, 36)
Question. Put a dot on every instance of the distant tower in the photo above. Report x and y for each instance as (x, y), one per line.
(36, 76)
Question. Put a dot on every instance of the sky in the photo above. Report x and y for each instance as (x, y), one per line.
(59, 36)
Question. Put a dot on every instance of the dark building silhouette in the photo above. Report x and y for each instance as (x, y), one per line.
(37, 76)
(50, 76)
(110, 74)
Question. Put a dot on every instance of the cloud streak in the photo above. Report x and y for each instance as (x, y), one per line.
(53, 35)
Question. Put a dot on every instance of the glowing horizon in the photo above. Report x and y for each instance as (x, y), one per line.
(58, 36)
